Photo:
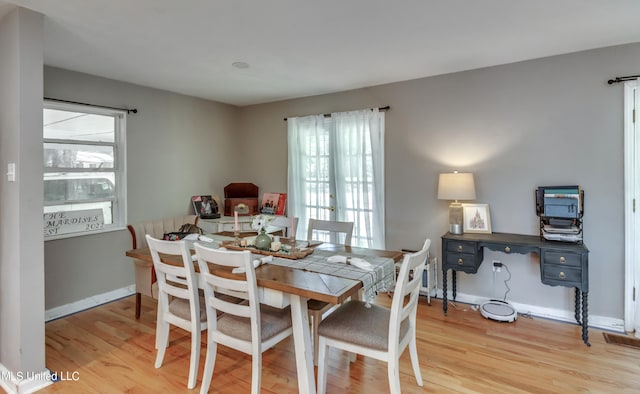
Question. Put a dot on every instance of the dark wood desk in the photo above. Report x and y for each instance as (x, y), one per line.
(561, 263)
(282, 286)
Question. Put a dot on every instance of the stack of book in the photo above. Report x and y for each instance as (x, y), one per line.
(560, 209)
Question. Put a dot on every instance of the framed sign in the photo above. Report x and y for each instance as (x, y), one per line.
(65, 222)
(476, 218)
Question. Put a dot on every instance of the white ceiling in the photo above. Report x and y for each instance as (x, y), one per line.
(298, 48)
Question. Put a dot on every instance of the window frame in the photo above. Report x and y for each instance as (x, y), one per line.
(119, 202)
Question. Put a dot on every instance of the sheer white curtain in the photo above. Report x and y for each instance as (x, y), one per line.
(304, 135)
(353, 145)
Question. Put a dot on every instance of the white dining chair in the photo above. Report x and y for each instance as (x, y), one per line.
(178, 301)
(339, 232)
(425, 245)
(283, 223)
(317, 309)
(248, 327)
(376, 331)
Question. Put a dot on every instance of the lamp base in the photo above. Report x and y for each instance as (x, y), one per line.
(455, 218)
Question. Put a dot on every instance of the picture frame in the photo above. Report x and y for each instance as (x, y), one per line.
(476, 218)
(205, 207)
(273, 203)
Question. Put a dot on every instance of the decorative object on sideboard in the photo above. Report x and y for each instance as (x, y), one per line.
(241, 198)
(456, 186)
(273, 203)
(206, 207)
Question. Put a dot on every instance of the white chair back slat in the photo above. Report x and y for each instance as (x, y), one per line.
(239, 287)
(333, 227)
(230, 308)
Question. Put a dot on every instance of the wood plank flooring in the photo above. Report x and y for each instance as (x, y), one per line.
(111, 352)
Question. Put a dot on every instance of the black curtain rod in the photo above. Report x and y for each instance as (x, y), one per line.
(379, 109)
(623, 79)
(129, 111)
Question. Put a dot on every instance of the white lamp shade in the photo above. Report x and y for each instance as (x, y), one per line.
(456, 186)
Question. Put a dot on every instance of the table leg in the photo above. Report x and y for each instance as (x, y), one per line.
(444, 290)
(585, 313)
(302, 343)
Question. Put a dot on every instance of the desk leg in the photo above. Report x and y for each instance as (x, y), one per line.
(585, 314)
(302, 342)
(444, 290)
(578, 307)
(454, 282)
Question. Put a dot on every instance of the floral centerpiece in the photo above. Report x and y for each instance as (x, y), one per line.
(259, 222)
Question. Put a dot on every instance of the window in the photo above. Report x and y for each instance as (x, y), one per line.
(84, 178)
(336, 172)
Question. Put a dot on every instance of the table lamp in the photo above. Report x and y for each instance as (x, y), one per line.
(456, 186)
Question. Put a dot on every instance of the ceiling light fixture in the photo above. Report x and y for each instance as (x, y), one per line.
(240, 64)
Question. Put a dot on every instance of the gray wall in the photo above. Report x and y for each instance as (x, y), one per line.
(177, 146)
(550, 121)
(541, 122)
(21, 237)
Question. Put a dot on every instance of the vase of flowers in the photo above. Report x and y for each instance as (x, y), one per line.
(262, 241)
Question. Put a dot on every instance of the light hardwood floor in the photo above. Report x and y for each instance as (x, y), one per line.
(112, 352)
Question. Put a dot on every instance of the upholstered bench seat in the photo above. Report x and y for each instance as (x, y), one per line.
(144, 275)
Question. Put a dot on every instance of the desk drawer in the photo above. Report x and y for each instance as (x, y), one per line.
(562, 258)
(244, 226)
(461, 260)
(461, 247)
(559, 273)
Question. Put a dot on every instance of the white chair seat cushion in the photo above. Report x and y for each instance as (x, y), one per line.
(272, 322)
(353, 322)
(180, 308)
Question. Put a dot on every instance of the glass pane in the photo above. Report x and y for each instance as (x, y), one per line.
(60, 187)
(78, 126)
(77, 156)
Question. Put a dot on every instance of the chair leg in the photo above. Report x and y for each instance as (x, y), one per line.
(162, 340)
(195, 356)
(256, 373)
(138, 304)
(322, 366)
(209, 364)
(393, 369)
(413, 351)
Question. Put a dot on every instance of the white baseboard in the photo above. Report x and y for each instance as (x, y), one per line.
(87, 303)
(23, 382)
(600, 322)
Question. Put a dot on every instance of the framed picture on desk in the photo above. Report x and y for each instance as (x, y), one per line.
(476, 218)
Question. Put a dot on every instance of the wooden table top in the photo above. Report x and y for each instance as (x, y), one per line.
(312, 285)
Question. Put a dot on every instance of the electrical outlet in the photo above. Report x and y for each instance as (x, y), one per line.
(497, 266)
